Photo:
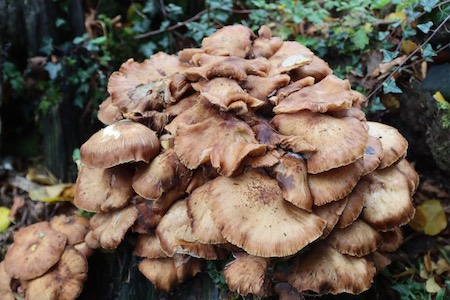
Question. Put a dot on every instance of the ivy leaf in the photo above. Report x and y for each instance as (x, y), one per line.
(428, 52)
(388, 56)
(360, 38)
(428, 4)
(382, 35)
(390, 86)
(60, 22)
(53, 69)
(429, 218)
(425, 28)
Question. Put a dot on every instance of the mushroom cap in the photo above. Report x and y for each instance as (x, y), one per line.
(103, 189)
(203, 227)
(408, 170)
(265, 45)
(35, 250)
(149, 246)
(291, 175)
(331, 212)
(148, 217)
(329, 94)
(175, 235)
(109, 228)
(380, 260)
(318, 68)
(6, 292)
(119, 143)
(64, 281)
(387, 200)
(291, 88)
(227, 95)
(252, 214)
(246, 274)
(108, 113)
(261, 87)
(372, 155)
(290, 56)
(74, 227)
(324, 270)
(321, 131)
(325, 188)
(391, 240)
(223, 143)
(165, 172)
(235, 40)
(393, 143)
(353, 208)
(165, 273)
(358, 239)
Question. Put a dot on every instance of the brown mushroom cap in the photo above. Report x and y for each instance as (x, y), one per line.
(224, 143)
(64, 281)
(353, 208)
(74, 227)
(109, 228)
(203, 227)
(261, 87)
(247, 275)
(330, 94)
(380, 260)
(36, 249)
(393, 143)
(391, 240)
(331, 212)
(265, 45)
(321, 131)
(325, 188)
(372, 155)
(119, 143)
(149, 246)
(253, 215)
(235, 40)
(175, 235)
(165, 172)
(325, 270)
(165, 273)
(291, 175)
(290, 56)
(358, 239)
(103, 189)
(387, 200)
(6, 292)
(408, 170)
(108, 113)
(291, 88)
(318, 68)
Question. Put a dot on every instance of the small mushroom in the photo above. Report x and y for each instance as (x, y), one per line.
(73, 226)
(149, 246)
(233, 40)
(119, 143)
(265, 45)
(35, 250)
(63, 282)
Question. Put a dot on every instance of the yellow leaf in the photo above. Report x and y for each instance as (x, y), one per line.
(439, 98)
(41, 175)
(50, 193)
(429, 218)
(407, 272)
(396, 16)
(408, 46)
(431, 286)
(4, 218)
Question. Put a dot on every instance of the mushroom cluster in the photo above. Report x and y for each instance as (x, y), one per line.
(248, 147)
(47, 260)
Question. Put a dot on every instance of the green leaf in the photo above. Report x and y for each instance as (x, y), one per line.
(47, 46)
(390, 86)
(360, 38)
(60, 22)
(382, 35)
(148, 49)
(379, 4)
(428, 5)
(388, 56)
(428, 52)
(98, 41)
(425, 28)
(4, 218)
(53, 69)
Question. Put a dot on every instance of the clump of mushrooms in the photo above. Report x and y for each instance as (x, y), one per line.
(248, 147)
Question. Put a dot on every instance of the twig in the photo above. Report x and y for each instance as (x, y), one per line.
(407, 58)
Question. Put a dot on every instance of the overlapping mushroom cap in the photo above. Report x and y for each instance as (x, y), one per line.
(247, 145)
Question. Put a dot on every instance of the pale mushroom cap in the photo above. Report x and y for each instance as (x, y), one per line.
(290, 56)
(103, 189)
(148, 246)
(325, 270)
(373, 155)
(110, 227)
(235, 40)
(331, 212)
(325, 188)
(64, 281)
(246, 274)
(393, 143)
(203, 227)
(353, 208)
(74, 227)
(329, 94)
(387, 200)
(408, 170)
(252, 214)
(358, 239)
(35, 250)
(318, 68)
(162, 174)
(119, 143)
(223, 143)
(6, 292)
(322, 131)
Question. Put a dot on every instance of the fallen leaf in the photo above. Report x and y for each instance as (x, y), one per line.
(429, 218)
(431, 286)
(442, 266)
(51, 193)
(41, 176)
(408, 46)
(4, 218)
(440, 98)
